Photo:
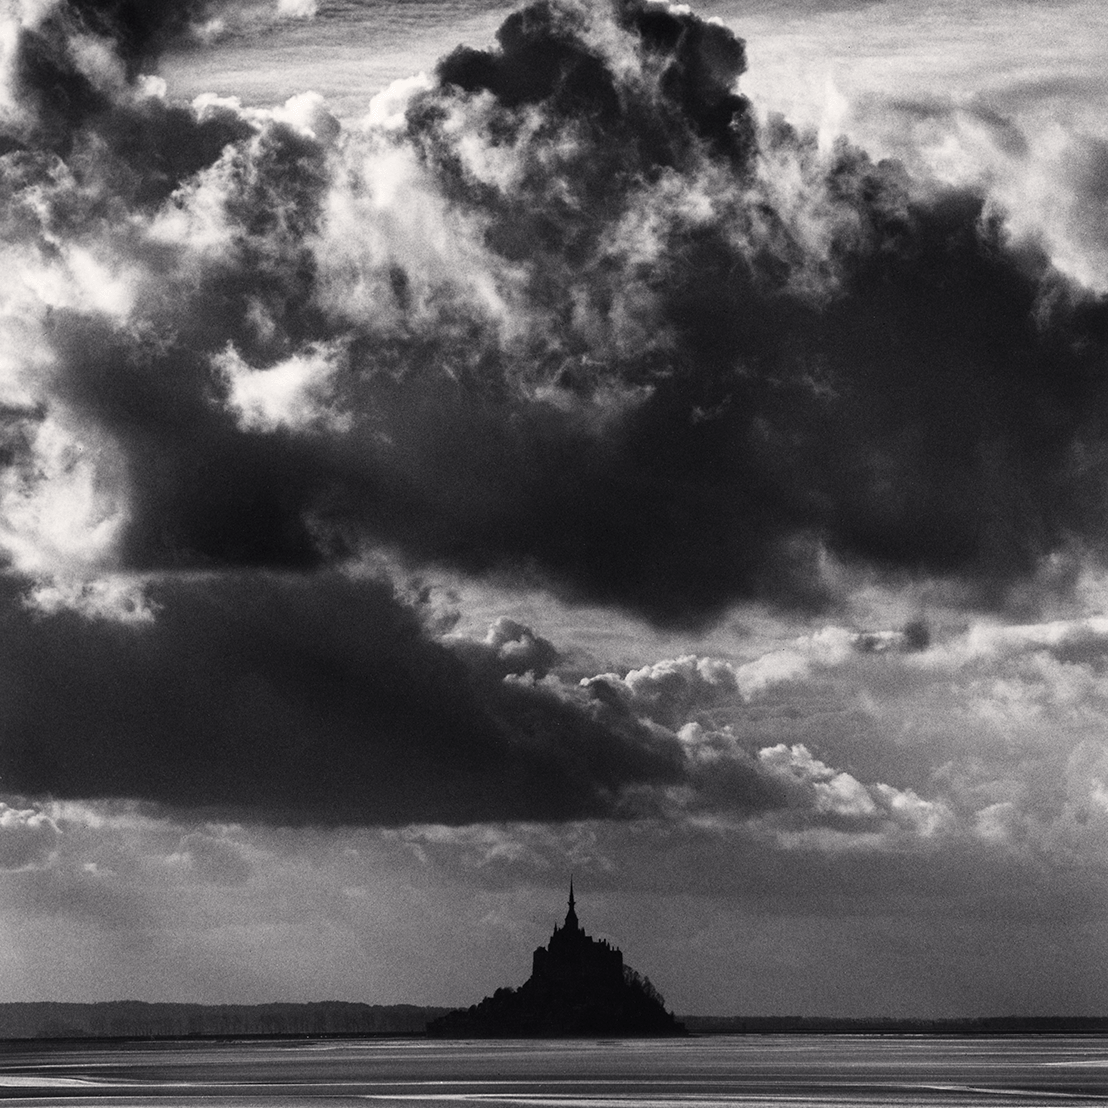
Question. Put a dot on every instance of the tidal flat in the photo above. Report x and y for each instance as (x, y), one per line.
(760, 1071)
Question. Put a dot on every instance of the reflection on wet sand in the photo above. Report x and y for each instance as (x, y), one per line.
(815, 1071)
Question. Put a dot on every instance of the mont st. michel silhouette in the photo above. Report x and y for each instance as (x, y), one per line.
(578, 986)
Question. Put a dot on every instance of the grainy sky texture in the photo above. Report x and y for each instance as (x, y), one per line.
(445, 447)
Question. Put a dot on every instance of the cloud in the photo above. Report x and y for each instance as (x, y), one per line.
(297, 9)
(564, 314)
(508, 648)
(673, 690)
(863, 741)
(294, 393)
(837, 799)
(212, 859)
(28, 837)
(789, 339)
(304, 701)
(834, 794)
(329, 699)
(668, 691)
(120, 599)
(569, 312)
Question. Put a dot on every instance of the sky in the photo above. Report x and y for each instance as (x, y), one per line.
(446, 448)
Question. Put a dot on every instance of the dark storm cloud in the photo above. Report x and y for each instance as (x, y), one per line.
(307, 701)
(925, 412)
(544, 58)
(665, 360)
(73, 102)
(141, 29)
(729, 351)
(918, 396)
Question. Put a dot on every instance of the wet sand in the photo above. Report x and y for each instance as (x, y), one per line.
(812, 1071)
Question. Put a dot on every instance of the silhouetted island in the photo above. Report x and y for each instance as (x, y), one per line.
(578, 986)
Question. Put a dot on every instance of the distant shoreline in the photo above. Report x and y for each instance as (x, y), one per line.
(135, 1019)
(142, 1021)
(970, 1025)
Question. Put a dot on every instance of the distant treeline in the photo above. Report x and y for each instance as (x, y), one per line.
(981, 1025)
(133, 1019)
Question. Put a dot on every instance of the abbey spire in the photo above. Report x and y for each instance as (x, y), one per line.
(571, 923)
